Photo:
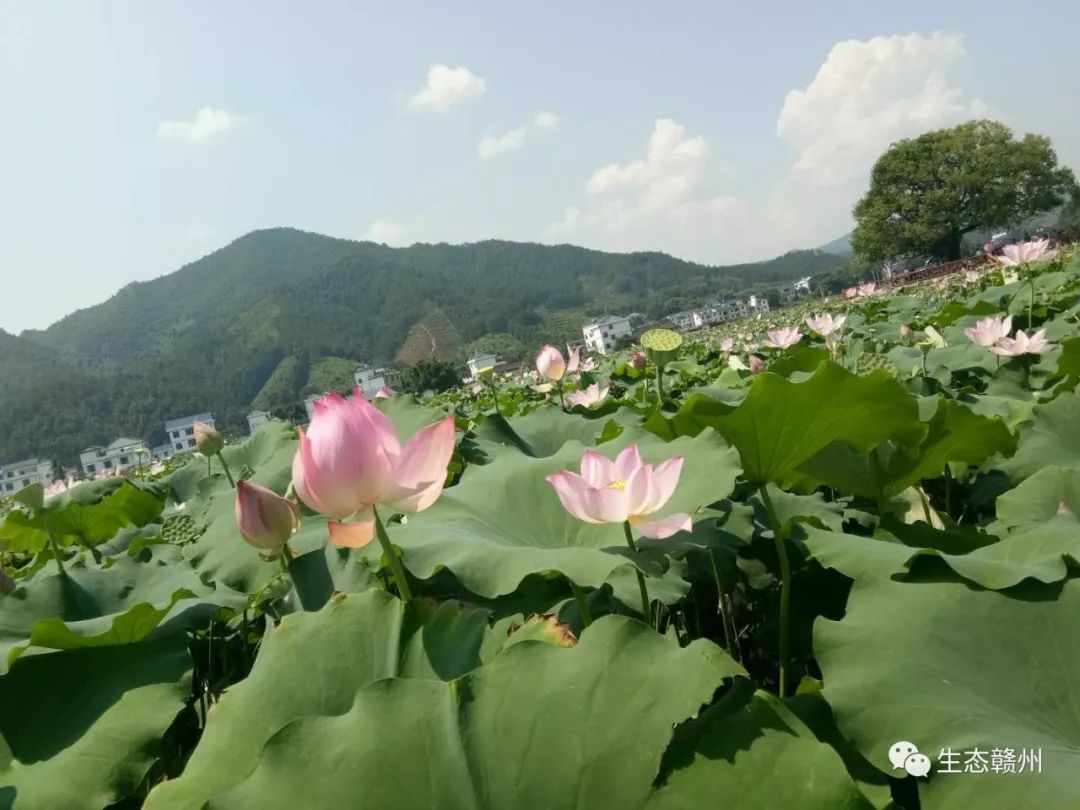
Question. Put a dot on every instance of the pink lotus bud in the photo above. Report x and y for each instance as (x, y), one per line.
(905, 332)
(208, 441)
(550, 363)
(385, 393)
(757, 365)
(265, 519)
(637, 360)
(1063, 508)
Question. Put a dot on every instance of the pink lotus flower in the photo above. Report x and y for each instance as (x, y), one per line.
(552, 366)
(972, 276)
(59, 487)
(385, 393)
(905, 333)
(1038, 250)
(265, 519)
(726, 345)
(638, 360)
(350, 460)
(208, 441)
(826, 324)
(1022, 344)
(587, 398)
(783, 338)
(851, 292)
(623, 490)
(588, 364)
(757, 365)
(867, 289)
(988, 331)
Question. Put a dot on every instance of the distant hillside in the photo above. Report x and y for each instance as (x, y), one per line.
(841, 246)
(248, 324)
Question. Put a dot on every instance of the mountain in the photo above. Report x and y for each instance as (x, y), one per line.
(253, 322)
(841, 246)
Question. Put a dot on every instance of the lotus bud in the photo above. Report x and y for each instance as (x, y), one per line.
(757, 365)
(208, 441)
(905, 333)
(550, 363)
(486, 374)
(7, 584)
(637, 360)
(265, 519)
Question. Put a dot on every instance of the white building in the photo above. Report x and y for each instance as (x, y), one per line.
(802, 285)
(257, 418)
(479, 362)
(757, 305)
(370, 380)
(14, 477)
(708, 316)
(181, 432)
(602, 335)
(120, 455)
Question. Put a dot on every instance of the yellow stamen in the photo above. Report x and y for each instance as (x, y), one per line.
(619, 484)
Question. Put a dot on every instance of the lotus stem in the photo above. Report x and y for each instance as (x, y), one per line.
(1031, 302)
(582, 604)
(785, 587)
(645, 613)
(721, 608)
(660, 384)
(285, 559)
(225, 467)
(562, 398)
(395, 563)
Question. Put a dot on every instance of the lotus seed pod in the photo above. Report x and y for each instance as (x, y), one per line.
(661, 345)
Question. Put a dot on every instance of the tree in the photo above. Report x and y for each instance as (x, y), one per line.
(927, 192)
(430, 375)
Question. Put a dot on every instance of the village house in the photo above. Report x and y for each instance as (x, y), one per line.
(120, 455)
(21, 474)
(603, 335)
(181, 432)
(370, 380)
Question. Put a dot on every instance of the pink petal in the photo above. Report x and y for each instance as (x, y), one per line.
(550, 363)
(665, 477)
(597, 470)
(640, 490)
(421, 468)
(607, 505)
(664, 527)
(357, 533)
(575, 360)
(627, 461)
(318, 488)
(571, 489)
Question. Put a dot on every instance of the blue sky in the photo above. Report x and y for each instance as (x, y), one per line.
(137, 136)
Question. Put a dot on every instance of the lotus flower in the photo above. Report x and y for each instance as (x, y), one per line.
(1038, 250)
(207, 440)
(972, 276)
(552, 366)
(867, 289)
(783, 338)
(905, 333)
(588, 397)
(385, 393)
(265, 519)
(588, 364)
(826, 324)
(59, 487)
(623, 490)
(726, 345)
(988, 331)
(1022, 344)
(757, 365)
(851, 292)
(638, 360)
(350, 460)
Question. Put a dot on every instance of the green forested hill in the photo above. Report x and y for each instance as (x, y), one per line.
(211, 335)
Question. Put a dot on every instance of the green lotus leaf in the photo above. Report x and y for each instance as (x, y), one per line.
(540, 433)
(750, 751)
(539, 727)
(1051, 439)
(954, 434)
(781, 424)
(945, 666)
(503, 521)
(1042, 497)
(79, 730)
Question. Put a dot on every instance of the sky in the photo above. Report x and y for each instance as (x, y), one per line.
(138, 136)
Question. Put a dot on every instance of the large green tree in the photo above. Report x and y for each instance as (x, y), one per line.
(927, 192)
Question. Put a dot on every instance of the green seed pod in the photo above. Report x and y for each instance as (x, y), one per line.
(661, 345)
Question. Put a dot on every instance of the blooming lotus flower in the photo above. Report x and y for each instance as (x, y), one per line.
(783, 338)
(1023, 344)
(588, 364)
(988, 331)
(552, 366)
(826, 324)
(265, 519)
(1038, 250)
(726, 345)
(385, 393)
(587, 398)
(350, 460)
(638, 360)
(623, 490)
(851, 292)
(59, 487)
(207, 440)
(971, 276)
(867, 289)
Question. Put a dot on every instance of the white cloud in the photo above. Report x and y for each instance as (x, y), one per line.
(865, 95)
(494, 145)
(513, 140)
(546, 120)
(387, 233)
(207, 124)
(446, 87)
(870, 93)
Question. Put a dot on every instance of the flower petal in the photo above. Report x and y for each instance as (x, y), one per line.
(640, 490)
(421, 468)
(357, 533)
(571, 489)
(665, 527)
(597, 470)
(317, 487)
(665, 477)
(627, 461)
(607, 504)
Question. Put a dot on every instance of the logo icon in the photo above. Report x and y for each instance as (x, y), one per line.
(904, 755)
